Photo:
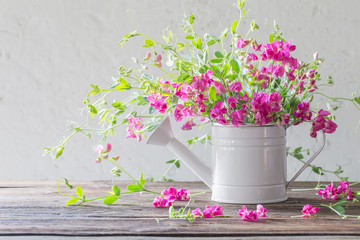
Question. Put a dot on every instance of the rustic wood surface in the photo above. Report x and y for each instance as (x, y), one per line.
(35, 209)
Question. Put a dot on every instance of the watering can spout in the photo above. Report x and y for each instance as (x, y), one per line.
(164, 136)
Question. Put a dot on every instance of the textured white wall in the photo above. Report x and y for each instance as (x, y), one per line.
(50, 51)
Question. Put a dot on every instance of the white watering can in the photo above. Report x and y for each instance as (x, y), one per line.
(248, 162)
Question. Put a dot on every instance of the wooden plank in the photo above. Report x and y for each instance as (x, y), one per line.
(36, 208)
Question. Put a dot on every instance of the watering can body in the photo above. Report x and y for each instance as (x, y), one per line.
(248, 162)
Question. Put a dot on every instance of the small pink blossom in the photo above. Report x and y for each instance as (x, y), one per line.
(256, 47)
(253, 56)
(310, 74)
(99, 149)
(159, 201)
(209, 212)
(196, 213)
(232, 101)
(309, 211)
(158, 102)
(252, 216)
(188, 125)
(235, 87)
(219, 87)
(242, 43)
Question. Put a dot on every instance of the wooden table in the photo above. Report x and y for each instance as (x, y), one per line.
(34, 210)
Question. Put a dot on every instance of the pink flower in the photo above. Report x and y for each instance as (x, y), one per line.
(237, 117)
(171, 192)
(135, 122)
(285, 119)
(159, 201)
(217, 110)
(251, 216)
(196, 213)
(261, 210)
(309, 211)
(232, 101)
(253, 56)
(219, 87)
(256, 47)
(242, 43)
(235, 87)
(99, 149)
(158, 102)
(310, 74)
(188, 125)
(330, 127)
(212, 211)
(183, 194)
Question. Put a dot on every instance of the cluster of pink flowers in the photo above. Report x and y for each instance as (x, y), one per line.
(134, 125)
(334, 193)
(170, 195)
(103, 151)
(252, 216)
(320, 123)
(209, 212)
(309, 211)
(158, 102)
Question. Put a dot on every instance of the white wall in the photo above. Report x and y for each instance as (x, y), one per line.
(50, 51)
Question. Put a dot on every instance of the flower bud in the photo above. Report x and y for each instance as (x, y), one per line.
(316, 56)
(108, 147)
(98, 160)
(158, 58)
(116, 172)
(105, 156)
(116, 158)
(148, 56)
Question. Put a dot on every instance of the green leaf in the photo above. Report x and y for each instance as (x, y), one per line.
(177, 163)
(357, 99)
(72, 201)
(219, 54)
(110, 199)
(79, 191)
(68, 184)
(189, 37)
(233, 26)
(116, 190)
(235, 66)
(148, 43)
(199, 43)
(133, 188)
(298, 149)
(212, 94)
(298, 156)
(142, 180)
(271, 38)
(216, 60)
(93, 110)
(171, 161)
(212, 42)
(317, 170)
(96, 89)
(166, 39)
(339, 209)
(195, 44)
(151, 109)
(58, 154)
(180, 46)
(191, 19)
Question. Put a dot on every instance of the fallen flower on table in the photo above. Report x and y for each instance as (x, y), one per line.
(334, 193)
(309, 211)
(209, 212)
(170, 195)
(252, 216)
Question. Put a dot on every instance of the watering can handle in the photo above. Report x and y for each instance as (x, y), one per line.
(309, 161)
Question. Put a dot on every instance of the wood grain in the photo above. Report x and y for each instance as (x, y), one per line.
(35, 208)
